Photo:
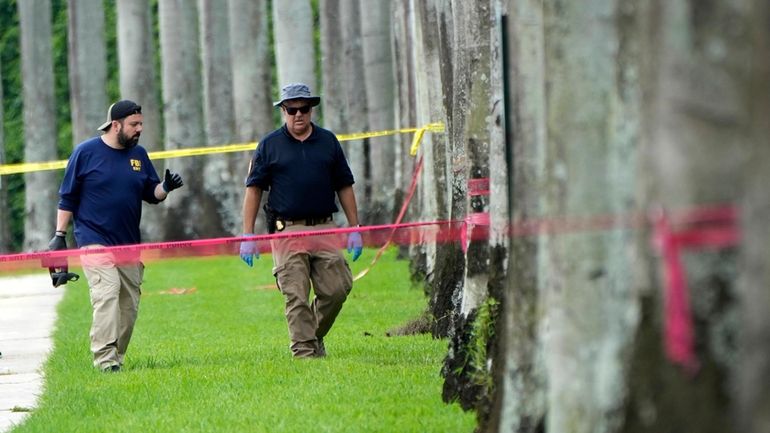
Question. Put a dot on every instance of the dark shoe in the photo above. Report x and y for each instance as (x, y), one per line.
(321, 350)
(310, 355)
(111, 369)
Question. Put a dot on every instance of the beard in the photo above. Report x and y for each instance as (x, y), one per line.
(126, 141)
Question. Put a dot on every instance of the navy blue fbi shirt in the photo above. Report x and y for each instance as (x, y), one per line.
(104, 188)
(302, 176)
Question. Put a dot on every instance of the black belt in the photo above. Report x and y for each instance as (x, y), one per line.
(281, 223)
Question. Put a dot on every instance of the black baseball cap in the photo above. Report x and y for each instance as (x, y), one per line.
(120, 110)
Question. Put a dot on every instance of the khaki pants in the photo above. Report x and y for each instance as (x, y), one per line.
(298, 262)
(115, 292)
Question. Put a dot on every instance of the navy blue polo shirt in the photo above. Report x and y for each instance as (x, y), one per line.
(104, 188)
(302, 176)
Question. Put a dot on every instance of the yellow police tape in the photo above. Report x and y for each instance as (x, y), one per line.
(29, 167)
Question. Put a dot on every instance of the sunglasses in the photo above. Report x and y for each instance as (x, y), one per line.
(293, 110)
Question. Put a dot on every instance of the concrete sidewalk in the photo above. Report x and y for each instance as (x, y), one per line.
(27, 316)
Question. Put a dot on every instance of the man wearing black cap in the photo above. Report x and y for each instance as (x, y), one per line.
(105, 181)
(303, 167)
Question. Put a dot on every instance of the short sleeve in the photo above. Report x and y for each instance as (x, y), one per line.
(259, 173)
(342, 176)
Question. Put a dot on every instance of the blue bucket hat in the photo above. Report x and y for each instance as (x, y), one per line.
(297, 91)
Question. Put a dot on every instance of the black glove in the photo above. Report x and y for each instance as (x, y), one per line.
(57, 242)
(61, 275)
(172, 181)
(58, 267)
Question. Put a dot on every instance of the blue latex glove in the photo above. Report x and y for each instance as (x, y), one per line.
(355, 245)
(249, 250)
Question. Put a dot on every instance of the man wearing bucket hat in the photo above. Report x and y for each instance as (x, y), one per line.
(303, 167)
(106, 179)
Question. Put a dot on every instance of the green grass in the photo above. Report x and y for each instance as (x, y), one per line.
(217, 360)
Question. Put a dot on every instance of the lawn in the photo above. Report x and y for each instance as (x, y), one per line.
(216, 359)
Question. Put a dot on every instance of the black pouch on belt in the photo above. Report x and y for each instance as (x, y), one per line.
(270, 218)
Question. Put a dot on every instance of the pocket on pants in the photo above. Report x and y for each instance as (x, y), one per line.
(348, 274)
(277, 271)
(98, 287)
(340, 274)
(136, 276)
(93, 278)
(292, 278)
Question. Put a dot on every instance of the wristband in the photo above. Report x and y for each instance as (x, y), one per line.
(62, 232)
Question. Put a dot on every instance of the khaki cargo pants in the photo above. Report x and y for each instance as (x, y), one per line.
(115, 292)
(298, 262)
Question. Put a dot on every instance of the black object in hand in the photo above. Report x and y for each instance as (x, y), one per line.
(57, 243)
(60, 276)
(172, 181)
(57, 267)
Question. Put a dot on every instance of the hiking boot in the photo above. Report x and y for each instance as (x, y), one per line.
(321, 350)
(311, 355)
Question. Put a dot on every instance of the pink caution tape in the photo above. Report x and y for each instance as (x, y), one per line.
(478, 186)
(713, 227)
(404, 233)
(399, 218)
(675, 232)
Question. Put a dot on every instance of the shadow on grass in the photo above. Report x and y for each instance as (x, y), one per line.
(158, 363)
(173, 361)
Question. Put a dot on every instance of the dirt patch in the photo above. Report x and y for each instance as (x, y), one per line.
(420, 325)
